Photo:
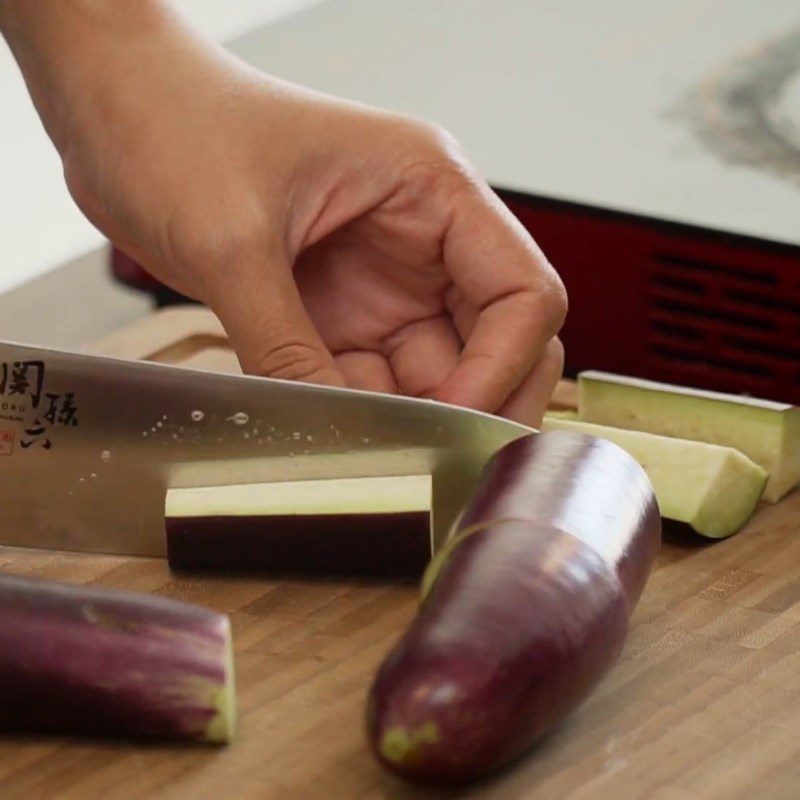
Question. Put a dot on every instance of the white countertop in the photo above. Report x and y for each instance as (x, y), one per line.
(572, 98)
(580, 99)
(40, 227)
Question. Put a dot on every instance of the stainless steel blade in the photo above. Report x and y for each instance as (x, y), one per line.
(89, 444)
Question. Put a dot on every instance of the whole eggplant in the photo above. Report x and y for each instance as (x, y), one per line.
(523, 612)
(86, 660)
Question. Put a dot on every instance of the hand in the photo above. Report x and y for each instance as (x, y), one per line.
(337, 243)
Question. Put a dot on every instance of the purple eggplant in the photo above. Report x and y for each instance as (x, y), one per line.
(93, 661)
(524, 609)
(372, 526)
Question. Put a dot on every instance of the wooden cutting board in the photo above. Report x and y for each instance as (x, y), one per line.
(705, 702)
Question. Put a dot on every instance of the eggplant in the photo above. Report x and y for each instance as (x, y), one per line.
(372, 526)
(711, 488)
(765, 431)
(92, 661)
(524, 609)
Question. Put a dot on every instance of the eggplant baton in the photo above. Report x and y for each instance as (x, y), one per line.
(86, 660)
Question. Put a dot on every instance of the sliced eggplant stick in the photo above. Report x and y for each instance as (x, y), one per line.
(81, 660)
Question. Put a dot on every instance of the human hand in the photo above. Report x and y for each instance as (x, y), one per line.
(337, 243)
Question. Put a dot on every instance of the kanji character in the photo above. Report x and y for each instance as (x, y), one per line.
(68, 410)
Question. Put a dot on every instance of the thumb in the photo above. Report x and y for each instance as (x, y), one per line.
(269, 328)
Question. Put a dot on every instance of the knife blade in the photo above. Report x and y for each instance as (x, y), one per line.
(89, 444)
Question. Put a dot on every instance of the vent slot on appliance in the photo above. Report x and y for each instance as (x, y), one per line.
(679, 284)
(677, 263)
(708, 360)
(791, 354)
(678, 330)
(770, 303)
(708, 313)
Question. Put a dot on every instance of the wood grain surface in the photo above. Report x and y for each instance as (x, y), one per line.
(704, 703)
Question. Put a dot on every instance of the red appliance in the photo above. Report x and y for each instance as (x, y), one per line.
(673, 302)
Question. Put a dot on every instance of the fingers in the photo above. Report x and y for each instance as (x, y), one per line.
(528, 402)
(364, 370)
(269, 328)
(498, 270)
(423, 354)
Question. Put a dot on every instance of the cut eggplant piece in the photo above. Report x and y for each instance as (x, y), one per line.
(526, 609)
(765, 431)
(371, 526)
(713, 489)
(563, 414)
(80, 660)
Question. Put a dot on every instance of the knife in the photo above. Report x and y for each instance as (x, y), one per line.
(89, 444)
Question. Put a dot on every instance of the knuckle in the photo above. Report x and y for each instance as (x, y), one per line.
(559, 303)
(241, 245)
(295, 361)
(439, 138)
(234, 238)
(556, 347)
(216, 261)
(437, 153)
(554, 353)
(549, 303)
(542, 313)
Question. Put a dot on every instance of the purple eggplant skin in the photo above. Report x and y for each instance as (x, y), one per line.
(93, 661)
(523, 612)
(315, 544)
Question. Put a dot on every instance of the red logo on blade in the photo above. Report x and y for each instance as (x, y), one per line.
(6, 443)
